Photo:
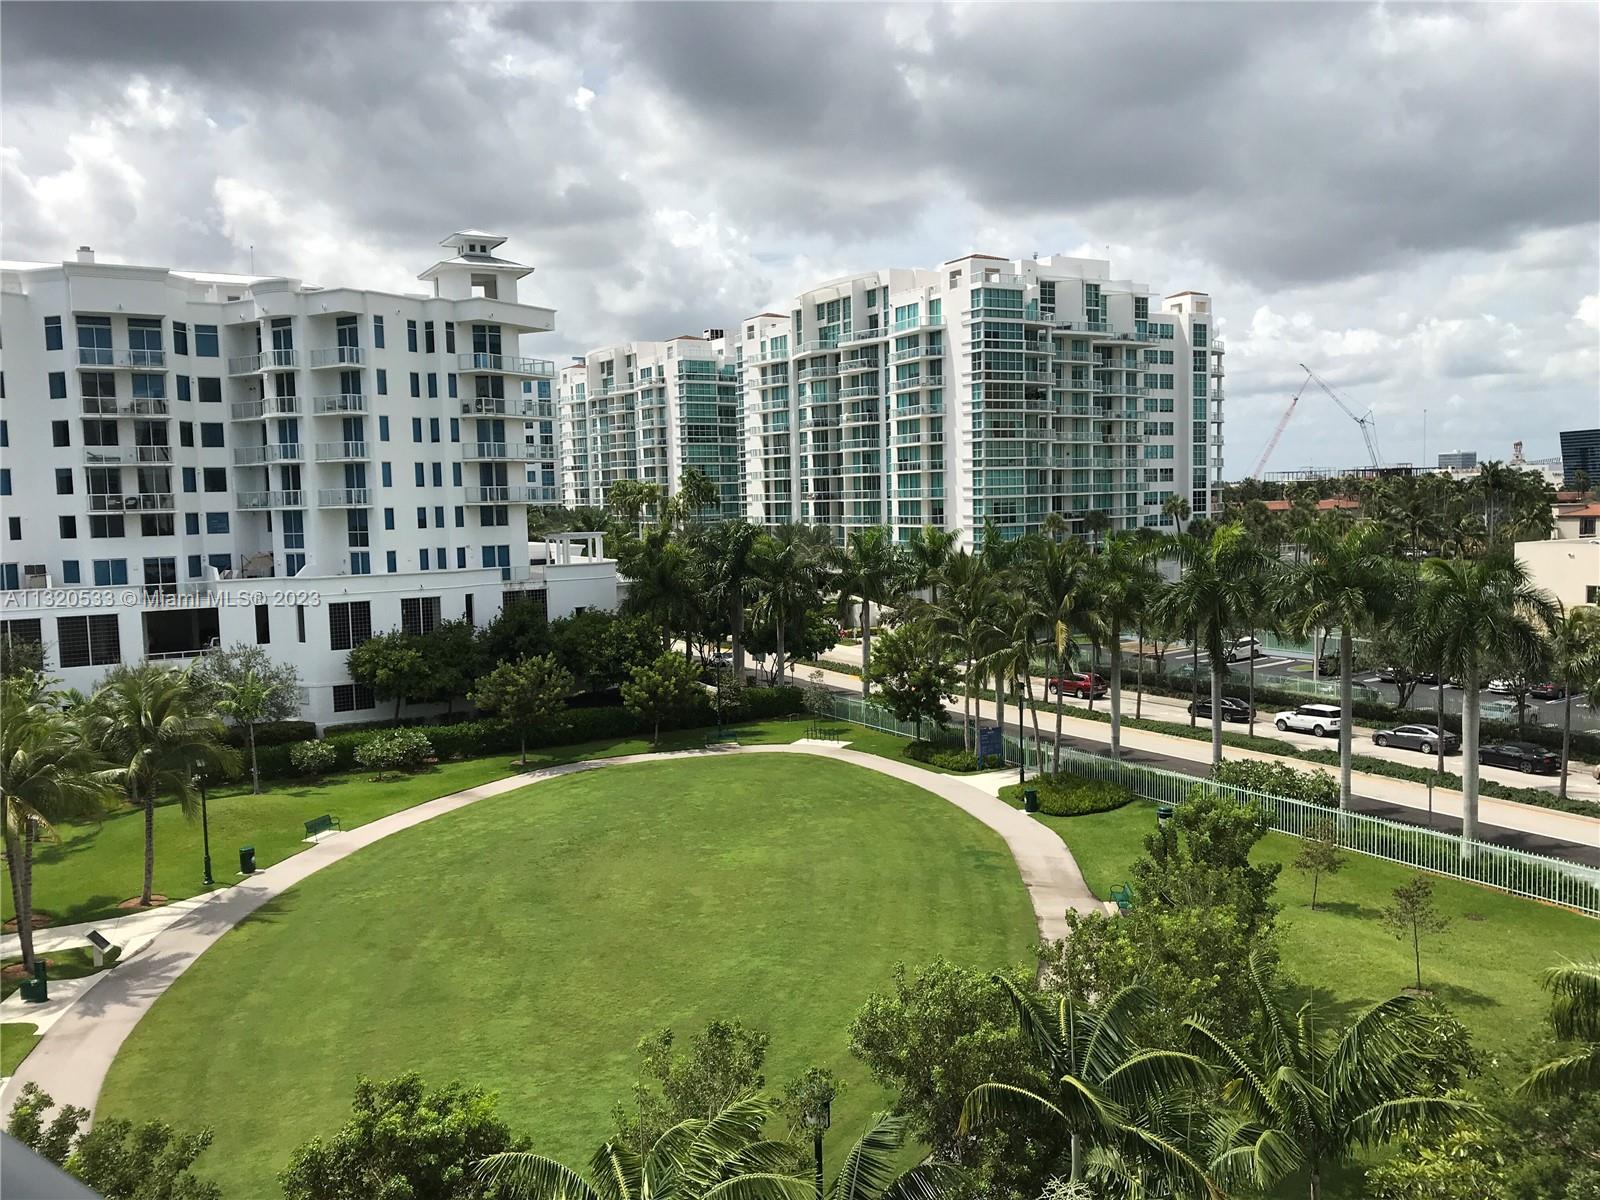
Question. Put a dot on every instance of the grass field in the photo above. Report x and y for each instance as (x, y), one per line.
(16, 1039)
(99, 864)
(1485, 965)
(528, 941)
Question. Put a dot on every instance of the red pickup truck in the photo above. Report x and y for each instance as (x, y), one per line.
(1081, 684)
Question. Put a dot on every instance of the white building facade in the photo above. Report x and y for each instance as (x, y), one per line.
(194, 459)
(985, 392)
(649, 411)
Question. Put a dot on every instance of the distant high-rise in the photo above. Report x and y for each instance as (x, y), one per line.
(1458, 460)
(1580, 451)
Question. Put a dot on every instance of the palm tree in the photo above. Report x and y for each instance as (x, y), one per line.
(1176, 507)
(662, 584)
(1017, 622)
(1574, 655)
(925, 555)
(695, 494)
(788, 571)
(1104, 1089)
(1347, 579)
(1478, 610)
(48, 773)
(1305, 1101)
(247, 700)
(1496, 481)
(868, 1172)
(1121, 581)
(1059, 577)
(963, 616)
(733, 566)
(1575, 1015)
(704, 1158)
(1209, 598)
(868, 566)
(147, 723)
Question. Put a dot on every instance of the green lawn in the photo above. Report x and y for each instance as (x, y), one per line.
(97, 865)
(1485, 965)
(527, 942)
(16, 1039)
(73, 963)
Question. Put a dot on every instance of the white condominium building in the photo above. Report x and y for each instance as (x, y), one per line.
(988, 390)
(193, 459)
(650, 411)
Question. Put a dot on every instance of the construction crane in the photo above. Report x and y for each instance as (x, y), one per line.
(1367, 423)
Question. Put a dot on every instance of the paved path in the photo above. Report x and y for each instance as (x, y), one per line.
(72, 1058)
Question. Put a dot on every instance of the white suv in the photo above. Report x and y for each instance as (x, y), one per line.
(1320, 719)
(1244, 648)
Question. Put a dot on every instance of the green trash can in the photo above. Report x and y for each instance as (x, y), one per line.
(37, 989)
(247, 860)
(1030, 800)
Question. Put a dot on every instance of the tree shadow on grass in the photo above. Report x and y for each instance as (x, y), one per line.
(1344, 908)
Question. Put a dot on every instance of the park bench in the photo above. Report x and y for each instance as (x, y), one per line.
(1123, 895)
(317, 826)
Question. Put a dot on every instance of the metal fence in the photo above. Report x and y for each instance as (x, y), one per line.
(1518, 872)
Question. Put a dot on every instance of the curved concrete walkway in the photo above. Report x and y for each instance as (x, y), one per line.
(72, 1058)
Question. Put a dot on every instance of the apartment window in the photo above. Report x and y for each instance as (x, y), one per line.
(180, 338)
(386, 473)
(383, 384)
(422, 517)
(183, 385)
(388, 518)
(427, 337)
(1586, 526)
(461, 517)
(186, 433)
(438, 516)
(215, 479)
(69, 571)
(392, 562)
(110, 572)
(210, 390)
(422, 559)
(63, 481)
(60, 433)
(433, 391)
(455, 429)
(68, 527)
(422, 477)
(216, 522)
(106, 526)
(14, 528)
(449, 337)
(156, 525)
(1591, 594)
(419, 614)
(433, 422)
(58, 385)
(450, 381)
(211, 434)
(189, 477)
(205, 341)
(263, 625)
(88, 641)
(349, 624)
(377, 333)
(455, 474)
(467, 610)
(352, 697)
(191, 524)
(52, 333)
(411, 336)
(438, 474)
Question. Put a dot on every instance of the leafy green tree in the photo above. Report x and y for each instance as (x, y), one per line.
(1305, 1096)
(722, 1063)
(1575, 1017)
(1411, 914)
(1346, 582)
(1319, 855)
(722, 1157)
(118, 1160)
(20, 658)
(525, 694)
(48, 773)
(450, 661)
(404, 1141)
(391, 664)
(867, 568)
(660, 691)
(914, 673)
(1456, 1164)
(1104, 1090)
(149, 725)
(1477, 611)
(600, 648)
(519, 630)
(249, 687)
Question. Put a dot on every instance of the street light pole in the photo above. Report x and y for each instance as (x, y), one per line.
(205, 833)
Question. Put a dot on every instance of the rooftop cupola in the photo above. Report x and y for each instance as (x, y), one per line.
(475, 269)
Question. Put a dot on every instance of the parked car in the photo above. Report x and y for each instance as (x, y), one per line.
(1501, 687)
(1232, 710)
(1328, 666)
(1499, 710)
(1244, 648)
(1425, 738)
(1430, 678)
(1320, 719)
(1081, 684)
(1522, 756)
(1548, 691)
(1457, 683)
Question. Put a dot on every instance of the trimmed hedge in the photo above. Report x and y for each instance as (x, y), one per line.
(1488, 787)
(1069, 795)
(951, 758)
(272, 733)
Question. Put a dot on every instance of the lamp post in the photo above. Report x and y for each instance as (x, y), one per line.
(818, 1119)
(205, 828)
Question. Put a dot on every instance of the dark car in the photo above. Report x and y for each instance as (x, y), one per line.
(1232, 710)
(1548, 691)
(1328, 666)
(1079, 683)
(1520, 756)
(1416, 737)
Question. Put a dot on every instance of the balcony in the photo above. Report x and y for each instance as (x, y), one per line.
(916, 410)
(100, 357)
(332, 452)
(114, 456)
(830, 372)
(849, 393)
(819, 346)
(260, 456)
(344, 498)
(110, 406)
(270, 406)
(1217, 347)
(506, 364)
(508, 493)
(861, 414)
(336, 356)
(496, 451)
(912, 382)
(863, 335)
(267, 360)
(342, 402)
(143, 501)
(254, 501)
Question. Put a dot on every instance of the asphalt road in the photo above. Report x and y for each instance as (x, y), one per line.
(1546, 712)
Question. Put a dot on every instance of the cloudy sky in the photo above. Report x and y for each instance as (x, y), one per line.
(1403, 197)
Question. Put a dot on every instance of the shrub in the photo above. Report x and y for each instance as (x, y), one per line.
(394, 750)
(950, 758)
(1280, 779)
(1066, 795)
(273, 733)
(313, 758)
